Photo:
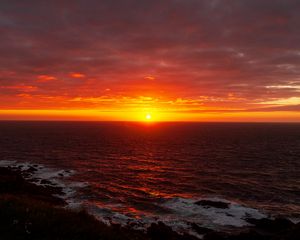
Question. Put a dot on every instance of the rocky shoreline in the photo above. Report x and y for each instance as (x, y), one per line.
(30, 211)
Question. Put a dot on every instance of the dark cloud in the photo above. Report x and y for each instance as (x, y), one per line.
(292, 108)
(193, 48)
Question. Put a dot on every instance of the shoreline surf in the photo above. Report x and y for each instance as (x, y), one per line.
(217, 215)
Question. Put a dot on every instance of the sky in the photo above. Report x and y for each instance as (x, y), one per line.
(177, 60)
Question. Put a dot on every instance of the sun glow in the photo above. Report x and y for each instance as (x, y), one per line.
(141, 116)
(148, 116)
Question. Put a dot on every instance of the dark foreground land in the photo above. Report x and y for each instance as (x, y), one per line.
(28, 211)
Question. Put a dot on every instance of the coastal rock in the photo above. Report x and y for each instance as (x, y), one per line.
(263, 229)
(160, 231)
(271, 225)
(201, 230)
(13, 182)
(210, 203)
(44, 181)
(31, 169)
(31, 210)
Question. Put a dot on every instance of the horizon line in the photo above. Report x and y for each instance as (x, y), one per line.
(139, 122)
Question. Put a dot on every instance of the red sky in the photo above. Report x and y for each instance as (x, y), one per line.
(189, 60)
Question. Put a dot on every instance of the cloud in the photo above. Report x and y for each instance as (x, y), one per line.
(289, 108)
(22, 88)
(45, 78)
(77, 49)
(283, 101)
(77, 75)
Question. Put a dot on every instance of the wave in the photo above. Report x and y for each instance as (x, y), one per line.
(181, 214)
(213, 213)
(45, 176)
(184, 214)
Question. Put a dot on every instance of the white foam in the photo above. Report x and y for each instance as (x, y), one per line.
(182, 211)
(235, 215)
(294, 220)
(54, 177)
(6, 163)
(109, 217)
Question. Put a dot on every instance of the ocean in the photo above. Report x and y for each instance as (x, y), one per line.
(138, 173)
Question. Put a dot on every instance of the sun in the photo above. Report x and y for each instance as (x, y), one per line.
(148, 116)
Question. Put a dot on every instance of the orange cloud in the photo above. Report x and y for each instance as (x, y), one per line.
(45, 78)
(203, 66)
(77, 75)
(149, 78)
(24, 88)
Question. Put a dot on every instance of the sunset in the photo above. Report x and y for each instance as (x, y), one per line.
(150, 120)
(187, 60)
